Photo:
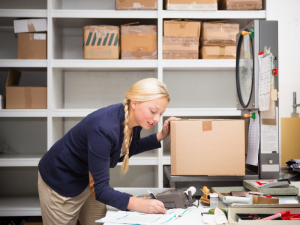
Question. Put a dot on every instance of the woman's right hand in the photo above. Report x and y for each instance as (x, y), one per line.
(151, 206)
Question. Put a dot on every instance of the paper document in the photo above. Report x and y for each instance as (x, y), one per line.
(269, 137)
(123, 217)
(264, 81)
(253, 141)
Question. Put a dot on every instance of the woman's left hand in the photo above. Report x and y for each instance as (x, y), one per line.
(166, 129)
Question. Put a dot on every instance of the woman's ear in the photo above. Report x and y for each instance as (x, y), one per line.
(133, 104)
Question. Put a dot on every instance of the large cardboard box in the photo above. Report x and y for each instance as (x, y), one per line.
(208, 147)
(30, 25)
(191, 4)
(136, 4)
(101, 42)
(175, 28)
(219, 34)
(138, 41)
(24, 97)
(218, 52)
(180, 47)
(32, 46)
(240, 4)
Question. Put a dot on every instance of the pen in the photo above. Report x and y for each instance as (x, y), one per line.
(276, 216)
(151, 194)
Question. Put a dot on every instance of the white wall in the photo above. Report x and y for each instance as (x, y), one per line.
(288, 17)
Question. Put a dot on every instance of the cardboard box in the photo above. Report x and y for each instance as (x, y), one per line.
(240, 4)
(136, 4)
(208, 147)
(24, 97)
(180, 47)
(175, 28)
(31, 25)
(219, 34)
(101, 42)
(191, 4)
(266, 200)
(32, 46)
(138, 41)
(34, 220)
(218, 52)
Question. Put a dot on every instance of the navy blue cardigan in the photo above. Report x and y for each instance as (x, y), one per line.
(93, 145)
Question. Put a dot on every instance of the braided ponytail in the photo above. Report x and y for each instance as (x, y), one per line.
(126, 137)
(142, 91)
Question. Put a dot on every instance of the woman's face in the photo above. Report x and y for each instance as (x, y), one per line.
(147, 114)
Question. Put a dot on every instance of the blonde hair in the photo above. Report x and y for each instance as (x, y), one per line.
(142, 91)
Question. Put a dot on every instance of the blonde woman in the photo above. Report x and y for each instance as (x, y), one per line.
(73, 177)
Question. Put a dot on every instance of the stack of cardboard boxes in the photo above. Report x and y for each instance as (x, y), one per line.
(136, 4)
(181, 39)
(240, 4)
(218, 40)
(191, 4)
(32, 38)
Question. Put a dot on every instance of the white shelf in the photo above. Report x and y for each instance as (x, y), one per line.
(19, 160)
(23, 13)
(23, 112)
(104, 14)
(202, 112)
(219, 14)
(85, 64)
(145, 158)
(167, 159)
(203, 64)
(20, 206)
(71, 112)
(23, 63)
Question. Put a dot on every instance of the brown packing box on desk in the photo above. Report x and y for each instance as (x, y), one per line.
(175, 28)
(24, 97)
(240, 4)
(101, 42)
(218, 52)
(138, 41)
(191, 4)
(136, 4)
(180, 47)
(219, 34)
(198, 145)
(32, 46)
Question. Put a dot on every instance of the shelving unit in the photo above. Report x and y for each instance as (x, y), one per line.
(77, 87)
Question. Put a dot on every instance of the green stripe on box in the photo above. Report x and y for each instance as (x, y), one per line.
(99, 41)
(89, 39)
(111, 39)
(105, 40)
(117, 40)
(94, 40)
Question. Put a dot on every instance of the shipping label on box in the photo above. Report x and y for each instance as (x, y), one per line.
(174, 28)
(218, 52)
(32, 46)
(191, 4)
(219, 34)
(136, 4)
(240, 4)
(139, 41)
(31, 25)
(180, 47)
(24, 97)
(101, 42)
(198, 145)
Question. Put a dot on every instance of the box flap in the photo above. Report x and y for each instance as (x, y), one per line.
(13, 78)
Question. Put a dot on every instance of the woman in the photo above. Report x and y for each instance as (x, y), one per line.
(73, 175)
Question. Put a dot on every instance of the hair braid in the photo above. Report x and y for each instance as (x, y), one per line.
(126, 137)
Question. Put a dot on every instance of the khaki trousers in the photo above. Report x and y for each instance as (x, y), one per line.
(60, 210)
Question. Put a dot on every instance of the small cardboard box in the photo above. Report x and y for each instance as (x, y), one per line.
(219, 34)
(191, 4)
(233, 219)
(138, 41)
(218, 52)
(101, 42)
(136, 4)
(180, 47)
(24, 97)
(32, 46)
(197, 145)
(31, 25)
(266, 200)
(240, 4)
(175, 28)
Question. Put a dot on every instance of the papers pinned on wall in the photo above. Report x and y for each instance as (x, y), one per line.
(253, 141)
